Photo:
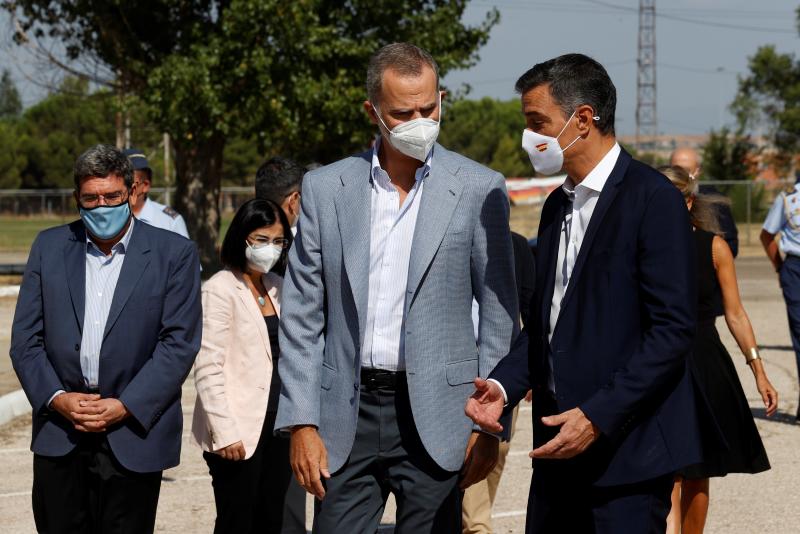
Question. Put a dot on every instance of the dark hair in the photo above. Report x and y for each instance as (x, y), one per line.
(575, 80)
(101, 161)
(278, 178)
(255, 213)
(405, 58)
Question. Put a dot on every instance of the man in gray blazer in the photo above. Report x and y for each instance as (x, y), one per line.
(378, 354)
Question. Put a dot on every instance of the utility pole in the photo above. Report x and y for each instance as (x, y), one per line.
(646, 122)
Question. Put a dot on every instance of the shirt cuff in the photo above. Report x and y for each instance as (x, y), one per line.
(502, 390)
(56, 394)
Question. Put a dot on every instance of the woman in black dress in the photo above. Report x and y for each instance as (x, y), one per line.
(713, 369)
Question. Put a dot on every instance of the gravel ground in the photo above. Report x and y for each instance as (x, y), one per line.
(767, 502)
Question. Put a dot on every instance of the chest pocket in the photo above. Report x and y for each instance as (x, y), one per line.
(456, 240)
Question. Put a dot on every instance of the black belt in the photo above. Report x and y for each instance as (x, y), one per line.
(373, 379)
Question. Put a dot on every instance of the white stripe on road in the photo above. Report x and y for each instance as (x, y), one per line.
(14, 451)
(16, 494)
(515, 513)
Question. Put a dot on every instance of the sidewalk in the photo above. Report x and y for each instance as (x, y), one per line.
(768, 502)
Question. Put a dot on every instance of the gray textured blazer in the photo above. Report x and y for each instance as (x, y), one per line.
(462, 248)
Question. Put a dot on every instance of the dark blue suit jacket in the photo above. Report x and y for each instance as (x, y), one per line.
(151, 339)
(623, 335)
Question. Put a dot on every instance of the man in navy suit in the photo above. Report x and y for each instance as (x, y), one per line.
(612, 323)
(106, 328)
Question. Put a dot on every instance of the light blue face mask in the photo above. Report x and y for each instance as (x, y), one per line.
(105, 222)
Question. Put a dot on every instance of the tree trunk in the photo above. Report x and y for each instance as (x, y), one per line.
(198, 167)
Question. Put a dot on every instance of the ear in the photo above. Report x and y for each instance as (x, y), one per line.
(371, 112)
(76, 195)
(585, 116)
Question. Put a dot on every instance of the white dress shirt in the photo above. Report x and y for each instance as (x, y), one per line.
(391, 235)
(583, 199)
(102, 274)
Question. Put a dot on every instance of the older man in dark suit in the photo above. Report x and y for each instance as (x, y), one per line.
(106, 328)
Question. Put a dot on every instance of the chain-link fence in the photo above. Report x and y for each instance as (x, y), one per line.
(60, 202)
(750, 201)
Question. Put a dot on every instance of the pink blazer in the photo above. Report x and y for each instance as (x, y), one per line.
(234, 367)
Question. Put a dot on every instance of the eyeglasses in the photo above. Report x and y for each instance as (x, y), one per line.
(111, 199)
(263, 241)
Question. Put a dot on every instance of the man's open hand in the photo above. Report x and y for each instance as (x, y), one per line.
(575, 436)
(485, 406)
(309, 459)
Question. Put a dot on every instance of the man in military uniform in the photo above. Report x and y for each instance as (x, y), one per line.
(784, 219)
(145, 209)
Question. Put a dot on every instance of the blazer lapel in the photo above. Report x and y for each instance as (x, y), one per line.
(551, 238)
(353, 213)
(441, 192)
(137, 258)
(255, 313)
(75, 264)
(607, 197)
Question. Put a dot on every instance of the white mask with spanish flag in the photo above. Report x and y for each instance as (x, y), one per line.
(546, 154)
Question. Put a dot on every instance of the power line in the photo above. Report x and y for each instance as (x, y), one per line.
(694, 21)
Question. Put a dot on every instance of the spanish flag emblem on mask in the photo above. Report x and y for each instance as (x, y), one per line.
(541, 147)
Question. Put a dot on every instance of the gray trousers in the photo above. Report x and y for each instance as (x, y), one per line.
(388, 456)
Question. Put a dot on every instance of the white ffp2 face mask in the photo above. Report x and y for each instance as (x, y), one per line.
(545, 153)
(262, 259)
(414, 138)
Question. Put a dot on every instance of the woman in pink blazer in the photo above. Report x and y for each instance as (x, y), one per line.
(236, 373)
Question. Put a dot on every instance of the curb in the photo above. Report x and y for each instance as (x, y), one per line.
(13, 405)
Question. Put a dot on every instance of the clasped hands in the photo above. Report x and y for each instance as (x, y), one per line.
(576, 434)
(88, 412)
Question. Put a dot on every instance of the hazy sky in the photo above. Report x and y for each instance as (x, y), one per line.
(698, 60)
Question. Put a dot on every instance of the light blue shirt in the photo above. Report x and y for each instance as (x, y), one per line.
(102, 274)
(784, 218)
(162, 216)
(391, 235)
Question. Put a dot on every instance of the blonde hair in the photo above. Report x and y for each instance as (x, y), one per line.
(704, 212)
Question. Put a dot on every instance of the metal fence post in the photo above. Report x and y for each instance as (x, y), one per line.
(749, 210)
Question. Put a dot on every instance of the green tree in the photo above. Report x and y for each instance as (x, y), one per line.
(488, 131)
(12, 159)
(769, 99)
(727, 156)
(10, 101)
(290, 74)
(53, 132)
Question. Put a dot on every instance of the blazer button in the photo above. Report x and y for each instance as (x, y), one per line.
(77, 347)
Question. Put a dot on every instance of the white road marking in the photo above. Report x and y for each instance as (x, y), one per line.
(514, 513)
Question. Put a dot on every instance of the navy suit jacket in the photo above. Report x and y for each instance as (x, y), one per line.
(151, 339)
(620, 347)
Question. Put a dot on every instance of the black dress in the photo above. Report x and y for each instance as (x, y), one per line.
(715, 376)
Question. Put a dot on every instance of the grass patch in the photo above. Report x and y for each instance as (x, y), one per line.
(17, 233)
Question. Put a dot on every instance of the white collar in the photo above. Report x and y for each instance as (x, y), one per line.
(597, 177)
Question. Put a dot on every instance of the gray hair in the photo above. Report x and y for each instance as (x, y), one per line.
(405, 58)
(101, 161)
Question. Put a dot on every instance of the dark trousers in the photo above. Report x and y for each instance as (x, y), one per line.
(388, 456)
(251, 494)
(790, 284)
(559, 504)
(89, 492)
